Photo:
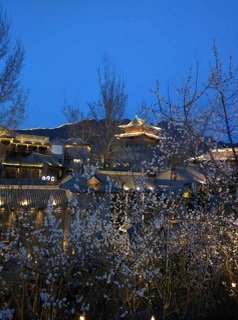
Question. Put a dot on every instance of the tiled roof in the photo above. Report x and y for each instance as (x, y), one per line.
(76, 141)
(39, 158)
(113, 181)
(129, 180)
(218, 154)
(181, 174)
(138, 122)
(78, 183)
(140, 181)
(32, 198)
(137, 134)
(176, 179)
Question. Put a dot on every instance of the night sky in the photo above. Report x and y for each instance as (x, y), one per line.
(147, 40)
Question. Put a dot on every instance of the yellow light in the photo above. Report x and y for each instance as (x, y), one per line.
(65, 244)
(39, 217)
(233, 285)
(24, 202)
(23, 164)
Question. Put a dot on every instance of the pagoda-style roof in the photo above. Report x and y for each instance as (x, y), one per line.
(139, 127)
(137, 134)
(138, 123)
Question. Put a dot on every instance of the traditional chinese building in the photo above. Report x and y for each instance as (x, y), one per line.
(25, 156)
(23, 142)
(136, 143)
(218, 154)
(77, 153)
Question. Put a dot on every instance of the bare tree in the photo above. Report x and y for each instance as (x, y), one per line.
(224, 85)
(202, 113)
(110, 106)
(73, 114)
(12, 96)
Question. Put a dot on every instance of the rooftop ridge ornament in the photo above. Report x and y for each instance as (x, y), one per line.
(139, 127)
(139, 122)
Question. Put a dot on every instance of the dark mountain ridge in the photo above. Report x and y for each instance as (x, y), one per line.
(85, 129)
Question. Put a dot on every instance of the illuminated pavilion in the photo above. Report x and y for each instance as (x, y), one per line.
(136, 143)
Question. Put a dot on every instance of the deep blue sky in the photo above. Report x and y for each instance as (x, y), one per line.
(147, 40)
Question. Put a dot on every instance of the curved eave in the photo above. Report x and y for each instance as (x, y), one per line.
(144, 125)
(138, 122)
(135, 134)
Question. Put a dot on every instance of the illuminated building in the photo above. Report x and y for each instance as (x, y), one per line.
(25, 156)
(136, 143)
(218, 154)
(77, 153)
